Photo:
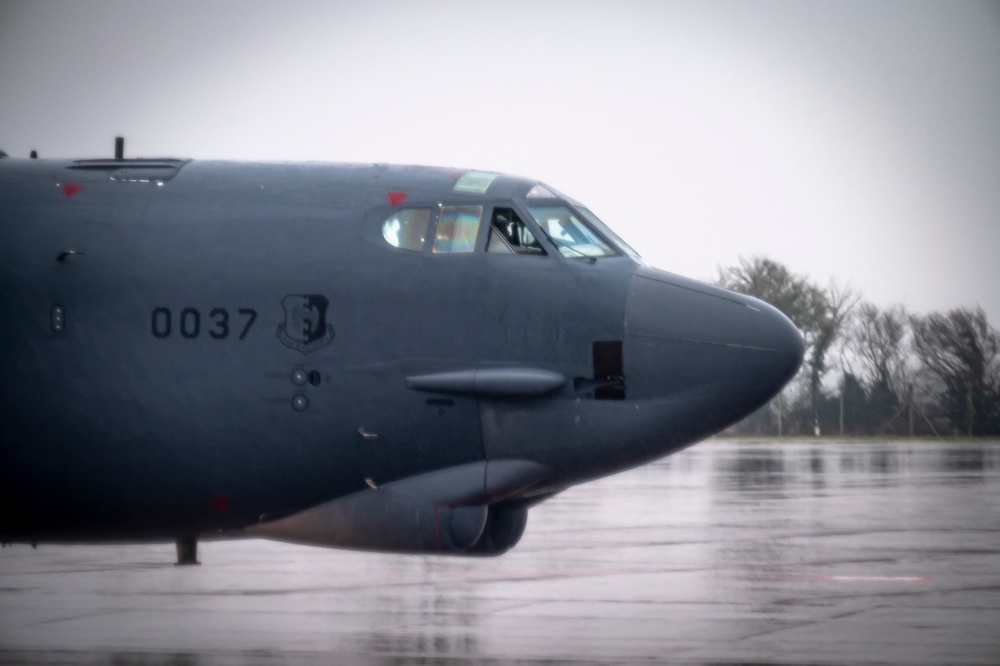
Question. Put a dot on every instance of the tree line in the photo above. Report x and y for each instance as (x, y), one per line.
(871, 370)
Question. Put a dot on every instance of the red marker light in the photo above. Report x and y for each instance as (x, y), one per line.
(396, 198)
(69, 189)
(220, 503)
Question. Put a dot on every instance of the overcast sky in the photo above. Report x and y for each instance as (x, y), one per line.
(856, 141)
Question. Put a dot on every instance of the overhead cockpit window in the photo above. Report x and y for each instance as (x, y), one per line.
(457, 229)
(539, 191)
(407, 228)
(570, 234)
(509, 234)
(475, 182)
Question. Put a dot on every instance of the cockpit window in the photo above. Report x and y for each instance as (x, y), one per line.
(570, 234)
(509, 234)
(457, 229)
(407, 228)
(609, 234)
(539, 191)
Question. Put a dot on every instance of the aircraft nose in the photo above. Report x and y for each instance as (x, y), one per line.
(686, 339)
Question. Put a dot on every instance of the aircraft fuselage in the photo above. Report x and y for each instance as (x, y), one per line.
(195, 348)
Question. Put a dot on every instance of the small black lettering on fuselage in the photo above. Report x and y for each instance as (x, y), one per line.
(217, 324)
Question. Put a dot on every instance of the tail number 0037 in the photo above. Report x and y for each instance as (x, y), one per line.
(188, 323)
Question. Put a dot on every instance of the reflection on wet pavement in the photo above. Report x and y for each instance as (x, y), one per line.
(749, 552)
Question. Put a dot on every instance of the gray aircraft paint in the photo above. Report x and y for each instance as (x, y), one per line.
(198, 348)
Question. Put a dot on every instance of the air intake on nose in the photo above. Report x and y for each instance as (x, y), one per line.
(608, 370)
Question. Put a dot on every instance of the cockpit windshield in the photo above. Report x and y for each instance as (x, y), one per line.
(609, 234)
(569, 233)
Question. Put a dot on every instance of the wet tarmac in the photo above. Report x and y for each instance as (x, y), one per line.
(728, 553)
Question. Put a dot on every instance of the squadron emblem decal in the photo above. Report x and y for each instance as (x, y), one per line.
(305, 327)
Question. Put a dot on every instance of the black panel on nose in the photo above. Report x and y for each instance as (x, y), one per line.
(688, 339)
(609, 370)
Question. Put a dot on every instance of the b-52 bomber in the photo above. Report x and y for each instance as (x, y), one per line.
(388, 358)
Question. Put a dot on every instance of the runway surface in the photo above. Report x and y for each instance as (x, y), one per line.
(728, 553)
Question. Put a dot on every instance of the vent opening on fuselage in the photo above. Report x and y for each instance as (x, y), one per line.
(609, 372)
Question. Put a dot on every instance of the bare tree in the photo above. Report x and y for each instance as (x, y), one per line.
(962, 349)
(839, 304)
(876, 339)
(876, 342)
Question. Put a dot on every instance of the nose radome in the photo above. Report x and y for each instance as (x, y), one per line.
(784, 337)
(686, 338)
